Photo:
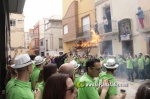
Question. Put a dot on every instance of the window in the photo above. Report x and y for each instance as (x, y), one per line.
(60, 43)
(46, 45)
(41, 43)
(65, 29)
(86, 23)
(12, 22)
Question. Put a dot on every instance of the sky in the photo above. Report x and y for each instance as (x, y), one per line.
(35, 10)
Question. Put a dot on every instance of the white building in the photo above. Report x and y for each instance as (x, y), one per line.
(53, 36)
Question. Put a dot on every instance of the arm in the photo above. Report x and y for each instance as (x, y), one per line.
(103, 94)
(37, 93)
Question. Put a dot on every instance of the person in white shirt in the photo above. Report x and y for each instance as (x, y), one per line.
(105, 22)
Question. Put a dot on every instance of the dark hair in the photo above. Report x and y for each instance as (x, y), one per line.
(111, 70)
(135, 56)
(40, 78)
(143, 91)
(32, 57)
(48, 70)
(55, 87)
(91, 62)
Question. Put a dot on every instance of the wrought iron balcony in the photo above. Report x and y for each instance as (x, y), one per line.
(110, 29)
(145, 25)
(84, 31)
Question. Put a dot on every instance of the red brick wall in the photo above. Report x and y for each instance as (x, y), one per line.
(71, 19)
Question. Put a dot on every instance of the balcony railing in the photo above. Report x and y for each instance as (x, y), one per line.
(111, 28)
(145, 26)
(84, 31)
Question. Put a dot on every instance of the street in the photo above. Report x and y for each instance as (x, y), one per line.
(132, 87)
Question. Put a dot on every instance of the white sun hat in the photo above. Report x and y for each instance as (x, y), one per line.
(74, 63)
(21, 61)
(111, 64)
(39, 60)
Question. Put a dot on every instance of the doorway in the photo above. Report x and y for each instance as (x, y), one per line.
(127, 47)
(106, 48)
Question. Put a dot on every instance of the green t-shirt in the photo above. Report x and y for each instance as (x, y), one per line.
(35, 75)
(147, 62)
(129, 64)
(21, 90)
(84, 62)
(41, 87)
(33, 66)
(120, 61)
(10, 84)
(89, 92)
(65, 61)
(135, 62)
(77, 78)
(112, 89)
(140, 64)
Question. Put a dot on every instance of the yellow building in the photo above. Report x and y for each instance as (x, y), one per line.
(78, 19)
(17, 33)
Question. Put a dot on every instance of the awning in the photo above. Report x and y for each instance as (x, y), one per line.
(16, 6)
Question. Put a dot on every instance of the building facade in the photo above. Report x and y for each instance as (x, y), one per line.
(52, 42)
(17, 33)
(78, 20)
(120, 26)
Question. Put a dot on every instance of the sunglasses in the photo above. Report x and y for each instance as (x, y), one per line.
(71, 89)
(96, 68)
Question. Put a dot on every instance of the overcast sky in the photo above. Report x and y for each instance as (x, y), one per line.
(35, 10)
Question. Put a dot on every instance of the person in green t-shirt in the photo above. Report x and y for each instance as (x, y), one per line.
(141, 68)
(147, 63)
(135, 66)
(33, 63)
(39, 61)
(112, 93)
(48, 70)
(129, 62)
(93, 68)
(10, 83)
(22, 87)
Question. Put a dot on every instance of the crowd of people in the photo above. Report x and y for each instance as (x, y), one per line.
(65, 76)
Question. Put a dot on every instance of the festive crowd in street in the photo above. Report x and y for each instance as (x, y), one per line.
(66, 76)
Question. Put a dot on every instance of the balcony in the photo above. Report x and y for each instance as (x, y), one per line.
(110, 29)
(146, 23)
(84, 31)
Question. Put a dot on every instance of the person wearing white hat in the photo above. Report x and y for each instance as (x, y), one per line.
(110, 66)
(76, 67)
(22, 87)
(38, 67)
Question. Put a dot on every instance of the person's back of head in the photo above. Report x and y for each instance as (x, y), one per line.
(67, 68)
(55, 87)
(143, 91)
(32, 57)
(48, 70)
(139, 8)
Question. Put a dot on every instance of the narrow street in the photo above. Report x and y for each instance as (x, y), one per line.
(132, 87)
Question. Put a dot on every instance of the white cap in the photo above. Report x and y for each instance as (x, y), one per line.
(74, 63)
(21, 61)
(38, 60)
(111, 64)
